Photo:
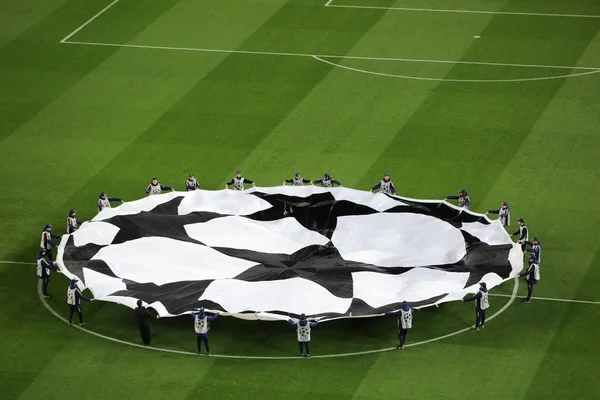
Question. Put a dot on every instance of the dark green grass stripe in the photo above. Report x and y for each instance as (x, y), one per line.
(37, 69)
(312, 29)
(570, 355)
(27, 331)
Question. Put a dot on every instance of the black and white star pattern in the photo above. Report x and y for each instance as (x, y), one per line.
(153, 254)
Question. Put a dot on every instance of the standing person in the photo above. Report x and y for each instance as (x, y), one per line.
(463, 199)
(72, 221)
(535, 250)
(297, 180)
(74, 298)
(385, 185)
(104, 202)
(405, 317)
(44, 266)
(143, 317)
(202, 326)
(303, 329)
(191, 183)
(533, 276)
(156, 188)
(482, 304)
(503, 213)
(46, 242)
(327, 181)
(523, 234)
(239, 181)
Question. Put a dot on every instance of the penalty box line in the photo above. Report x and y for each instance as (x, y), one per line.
(86, 23)
(460, 11)
(273, 53)
(66, 40)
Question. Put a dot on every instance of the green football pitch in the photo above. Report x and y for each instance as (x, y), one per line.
(499, 97)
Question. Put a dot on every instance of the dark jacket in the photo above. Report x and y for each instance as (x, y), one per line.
(143, 316)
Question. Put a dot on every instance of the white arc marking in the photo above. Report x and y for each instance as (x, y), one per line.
(452, 80)
(358, 353)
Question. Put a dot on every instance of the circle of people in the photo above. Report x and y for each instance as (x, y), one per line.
(46, 264)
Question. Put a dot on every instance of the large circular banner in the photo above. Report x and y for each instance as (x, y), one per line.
(274, 253)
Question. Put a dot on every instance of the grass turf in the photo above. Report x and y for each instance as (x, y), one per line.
(79, 119)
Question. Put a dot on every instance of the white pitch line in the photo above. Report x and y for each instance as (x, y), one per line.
(358, 353)
(463, 11)
(17, 262)
(271, 53)
(66, 321)
(495, 64)
(491, 294)
(364, 71)
(88, 21)
(550, 299)
(513, 296)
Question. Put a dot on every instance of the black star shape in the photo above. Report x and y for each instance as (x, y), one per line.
(77, 258)
(320, 264)
(176, 297)
(319, 212)
(162, 221)
(325, 266)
